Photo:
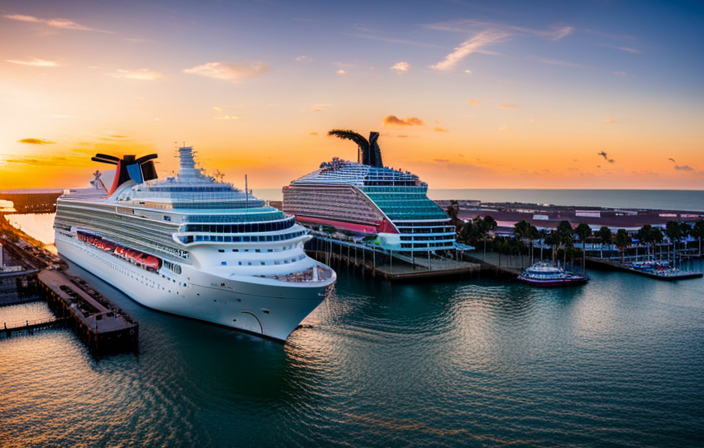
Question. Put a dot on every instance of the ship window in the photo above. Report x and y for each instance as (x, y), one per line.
(235, 250)
(228, 239)
(263, 263)
(245, 239)
(249, 263)
(239, 263)
(224, 263)
(257, 250)
(221, 250)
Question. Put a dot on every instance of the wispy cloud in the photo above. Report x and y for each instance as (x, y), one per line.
(505, 128)
(508, 106)
(555, 32)
(474, 102)
(56, 23)
(626, 49)
(341, 72)
(610, 121)
(62, 161)
(485, 33)
(35, 141)
(401, 67)
(230, 71)
(226, 117)
(558, 62)
(684, 168)
(142, 74)
(620, 73)
(35, 62)
(441, 160)
(468, 47)
(393, 40)
(394, 121)
(439, 129)
(303, 58)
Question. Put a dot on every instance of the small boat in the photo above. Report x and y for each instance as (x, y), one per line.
(548, 275)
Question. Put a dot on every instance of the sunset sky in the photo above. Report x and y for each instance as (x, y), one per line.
(466, 94)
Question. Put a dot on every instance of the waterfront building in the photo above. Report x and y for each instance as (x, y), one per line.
(193, 246)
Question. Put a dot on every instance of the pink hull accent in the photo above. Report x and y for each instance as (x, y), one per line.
(360, 228)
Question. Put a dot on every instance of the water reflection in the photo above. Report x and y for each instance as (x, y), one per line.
(479, 362)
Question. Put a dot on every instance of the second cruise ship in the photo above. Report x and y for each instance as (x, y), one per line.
(193, 246)
(367, 198)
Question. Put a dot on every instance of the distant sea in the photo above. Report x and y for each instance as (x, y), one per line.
(686, 200)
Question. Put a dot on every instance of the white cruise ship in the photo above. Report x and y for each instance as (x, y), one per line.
(193, 246)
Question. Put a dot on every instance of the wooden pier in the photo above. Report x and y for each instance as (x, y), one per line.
(102, 326)
(30, 327)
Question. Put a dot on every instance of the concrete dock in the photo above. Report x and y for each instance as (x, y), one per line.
(385, 265)
(618, 266)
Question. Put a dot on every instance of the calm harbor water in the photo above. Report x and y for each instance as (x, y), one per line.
(478, 362)
(686, 200)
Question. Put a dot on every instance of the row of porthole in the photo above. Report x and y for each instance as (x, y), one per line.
(264, 263)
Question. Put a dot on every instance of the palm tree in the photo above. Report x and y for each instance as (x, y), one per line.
(686, 231)
(698, 233)
(622, 241)
(522, 230)
(534, 235)
(368, 150)
(645, 234)
(584, 231)
(605, 236)
(484, 226)
(452, 211)
(554, 241)
(673, 230)
(565, 233)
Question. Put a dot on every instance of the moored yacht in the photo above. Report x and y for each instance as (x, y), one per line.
(546, 274)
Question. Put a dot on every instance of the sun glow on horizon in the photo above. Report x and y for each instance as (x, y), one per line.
(487, 102)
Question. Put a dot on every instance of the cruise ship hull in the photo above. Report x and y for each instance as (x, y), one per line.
(243, 303)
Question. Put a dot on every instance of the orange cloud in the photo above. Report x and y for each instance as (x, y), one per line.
(35, 141)
(473, 102)
(142, 74)
(401, 67)
(508, 106)
(229, 71)
(393, 120)
(56, 23)
(439, 129)
(35, 62)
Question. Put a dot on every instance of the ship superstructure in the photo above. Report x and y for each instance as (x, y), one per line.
(193, 246)
(366, 199)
